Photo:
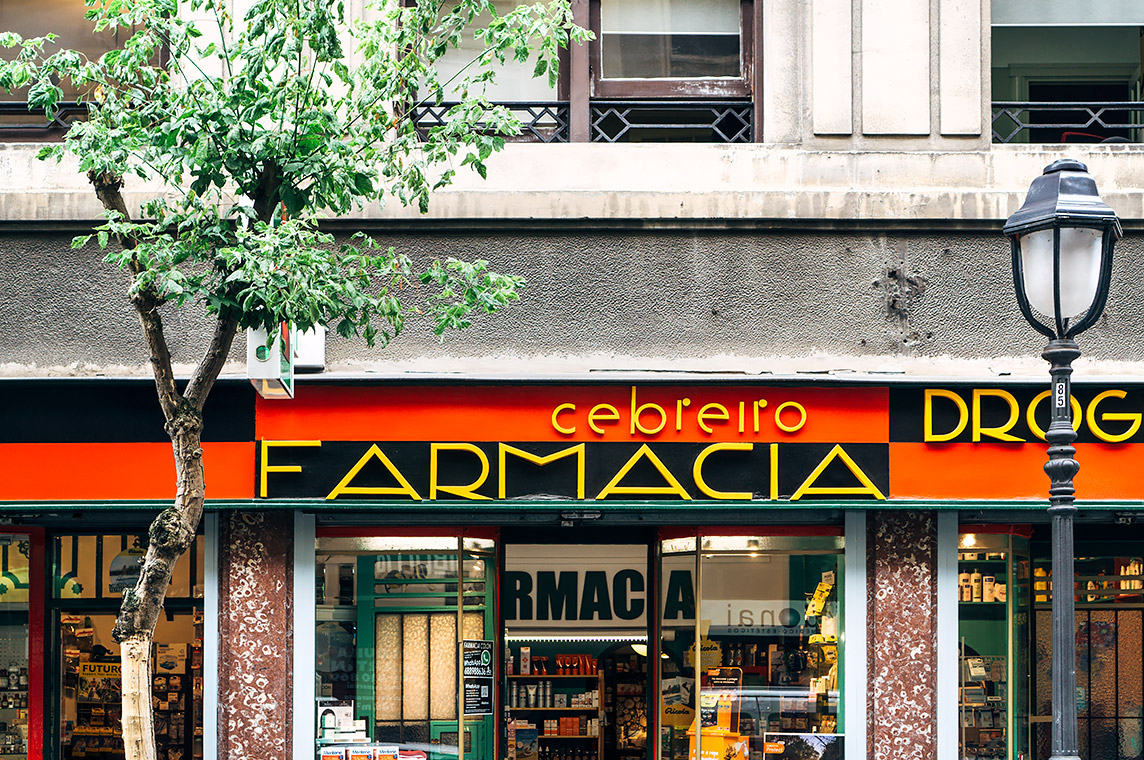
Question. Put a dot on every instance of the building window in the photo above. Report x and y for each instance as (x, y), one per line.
(514, 83)
(672, 71)
(658, 71)
(671, 48)
(1070, 83)
(35, 18)
(660, 39)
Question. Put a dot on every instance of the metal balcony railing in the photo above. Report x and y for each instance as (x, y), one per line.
(539, 121)
(17, 120)
(1067, 121)
(717, 121)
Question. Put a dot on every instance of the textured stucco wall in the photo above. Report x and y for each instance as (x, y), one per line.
(630, 298)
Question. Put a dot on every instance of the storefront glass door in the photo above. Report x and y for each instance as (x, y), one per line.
(392, 615)
(575, 617)
(1109, 599)
(994, 597)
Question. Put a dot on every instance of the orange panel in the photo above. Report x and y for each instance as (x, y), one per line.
(526, 413)
(64, 471)
(967, 471)
(1108, 471)
(1008, 471)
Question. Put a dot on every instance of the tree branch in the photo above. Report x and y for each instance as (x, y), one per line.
(109, 190)
(204, 376)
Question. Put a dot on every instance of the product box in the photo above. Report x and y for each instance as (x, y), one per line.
(386, 752)
(359, 753)
(527, 744)
(526, 661)
(333, 753)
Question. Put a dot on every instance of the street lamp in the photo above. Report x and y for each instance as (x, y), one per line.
(1062, 239)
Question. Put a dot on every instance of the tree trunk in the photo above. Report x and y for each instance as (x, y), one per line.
(138, 717)
(174, 529)
(170, 536)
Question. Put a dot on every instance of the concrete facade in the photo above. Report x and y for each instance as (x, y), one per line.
(864, 226)
(861, 235)
(761, 300)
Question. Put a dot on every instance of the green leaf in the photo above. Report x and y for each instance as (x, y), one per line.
(363, 183)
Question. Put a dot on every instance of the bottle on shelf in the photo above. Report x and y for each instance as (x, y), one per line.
(1040, 585)
(975, 582)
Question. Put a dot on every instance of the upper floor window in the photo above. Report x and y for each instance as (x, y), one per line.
(35, 18)
(671, 48)
(658, 39)
(1066, 72)
(514, 80)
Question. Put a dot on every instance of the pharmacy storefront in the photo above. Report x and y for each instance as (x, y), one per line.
(582, 571)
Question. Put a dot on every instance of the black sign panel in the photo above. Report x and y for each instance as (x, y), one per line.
(1012, 413)
(478, 676)
(424, 471)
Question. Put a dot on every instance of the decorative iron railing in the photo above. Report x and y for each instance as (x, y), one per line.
(16, 119)
(1066, 121)
(718, 121)
(539, 122)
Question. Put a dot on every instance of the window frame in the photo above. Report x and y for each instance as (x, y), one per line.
(742, 86)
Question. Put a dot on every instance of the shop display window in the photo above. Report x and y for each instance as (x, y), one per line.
(724, 647)
(90, 573)
(764, 679)
(1109, 599)
(392, 613)
(576, 651)
(14, 642)
(993, 643)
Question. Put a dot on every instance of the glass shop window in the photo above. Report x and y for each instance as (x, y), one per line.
(758, 671)
(89, 575)
(391, 616)
(14, 660)
(993, 641)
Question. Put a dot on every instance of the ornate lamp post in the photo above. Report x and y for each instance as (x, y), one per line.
(1062, 239)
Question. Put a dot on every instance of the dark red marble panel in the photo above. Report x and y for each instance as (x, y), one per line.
(902, 584)
(255, 613)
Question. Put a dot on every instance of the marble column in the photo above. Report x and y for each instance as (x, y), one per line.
(255, 613)
(902, 620)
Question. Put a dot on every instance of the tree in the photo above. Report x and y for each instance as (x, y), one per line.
(256, 128)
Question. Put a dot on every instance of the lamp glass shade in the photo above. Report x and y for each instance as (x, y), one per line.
(1079, 269)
